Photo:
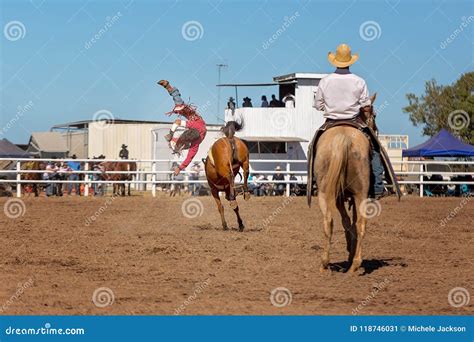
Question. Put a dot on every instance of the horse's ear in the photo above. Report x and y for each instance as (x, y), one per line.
(372, 98)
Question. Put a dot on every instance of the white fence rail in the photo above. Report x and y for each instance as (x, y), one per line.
(147, 172)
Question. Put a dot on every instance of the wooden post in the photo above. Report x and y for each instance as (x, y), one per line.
(18, 178)
(86, 180)
(421, 180)
(153, 179)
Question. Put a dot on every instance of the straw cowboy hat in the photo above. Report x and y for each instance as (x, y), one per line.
(343, 57)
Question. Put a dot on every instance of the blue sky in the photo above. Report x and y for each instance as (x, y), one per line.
(48, 64)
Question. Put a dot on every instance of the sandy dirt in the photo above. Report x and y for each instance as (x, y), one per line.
(154, 260)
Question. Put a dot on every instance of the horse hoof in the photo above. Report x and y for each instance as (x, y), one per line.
(246, 196)
(324, 270)
(225, 228)
(233, 204)
(241, 228)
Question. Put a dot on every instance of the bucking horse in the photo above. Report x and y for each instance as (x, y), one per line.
(225, 158)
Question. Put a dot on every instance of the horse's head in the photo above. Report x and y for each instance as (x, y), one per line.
(368, 114)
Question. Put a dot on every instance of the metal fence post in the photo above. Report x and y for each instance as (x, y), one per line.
(153, 179)
(86, 180)
(287, 178)
(18, 178)
(421, 180)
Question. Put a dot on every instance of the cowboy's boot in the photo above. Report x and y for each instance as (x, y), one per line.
(169, 136)
(165, 84)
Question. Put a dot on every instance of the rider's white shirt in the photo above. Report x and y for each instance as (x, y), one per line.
(341, 96)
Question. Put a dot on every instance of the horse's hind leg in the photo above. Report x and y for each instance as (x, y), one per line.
(348, 229)
(328, 225)
(245, 167)
(220, 207)
(239, 219)
(360, 222)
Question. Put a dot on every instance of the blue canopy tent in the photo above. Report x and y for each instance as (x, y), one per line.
(443, 144)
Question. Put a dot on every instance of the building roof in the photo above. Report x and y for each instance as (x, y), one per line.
(47, 142)
(274, 139)
(85, 123)
(298, 75)
(10, 150)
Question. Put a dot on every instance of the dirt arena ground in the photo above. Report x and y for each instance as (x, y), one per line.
(155, 260)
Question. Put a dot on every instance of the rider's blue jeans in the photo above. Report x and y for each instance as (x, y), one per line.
(377, 171)
(176, 96)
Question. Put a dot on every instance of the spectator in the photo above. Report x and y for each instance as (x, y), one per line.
(74, 166)
(258, 189)
(98, 187)
(274, 102)
(264, 101)
(123, 152)
(231, 104)
(49, 175)
(176, 187)
(289, 101)
(63, 175)
(247, 102)
(194, 176)
(279, 188)
(294, 187)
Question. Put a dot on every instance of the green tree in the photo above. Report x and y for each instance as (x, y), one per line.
(450, 107)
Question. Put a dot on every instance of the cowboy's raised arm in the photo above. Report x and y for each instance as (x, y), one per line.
(319, 99)
(364, 99)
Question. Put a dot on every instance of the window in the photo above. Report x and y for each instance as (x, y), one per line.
(267, 147)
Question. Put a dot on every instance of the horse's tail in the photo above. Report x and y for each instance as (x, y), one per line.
(231, 127)
(336, 172)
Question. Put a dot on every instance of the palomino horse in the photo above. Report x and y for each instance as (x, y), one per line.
(342, 167)
(226, 156)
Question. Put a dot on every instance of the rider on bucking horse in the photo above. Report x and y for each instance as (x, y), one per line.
(195, 127)
(341, 96)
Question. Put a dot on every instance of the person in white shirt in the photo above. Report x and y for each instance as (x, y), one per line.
(341, 95)
(289, 101)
